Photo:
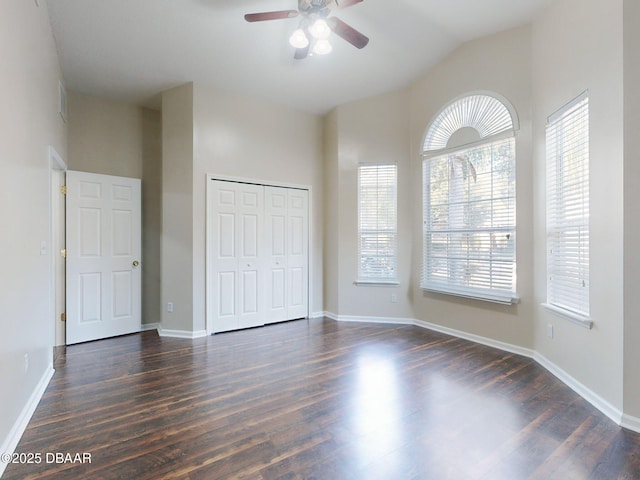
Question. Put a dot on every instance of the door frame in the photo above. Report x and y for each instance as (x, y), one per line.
(209, 235)
(56, 164)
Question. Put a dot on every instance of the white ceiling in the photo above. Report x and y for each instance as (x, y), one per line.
(131, 50)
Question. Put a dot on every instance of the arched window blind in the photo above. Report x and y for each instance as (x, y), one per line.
(469, 223)
(486, 114)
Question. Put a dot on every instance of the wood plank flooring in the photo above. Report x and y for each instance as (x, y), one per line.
(316, 400)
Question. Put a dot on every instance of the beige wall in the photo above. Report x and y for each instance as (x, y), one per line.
(331, 214)
(29, 124)
(177, 209)
(500, 64)
(113, 138)
(374, 130)
(570, 55)
(151, 214)
(631, 213)
(240, 137)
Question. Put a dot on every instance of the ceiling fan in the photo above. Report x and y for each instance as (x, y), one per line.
(316, 24)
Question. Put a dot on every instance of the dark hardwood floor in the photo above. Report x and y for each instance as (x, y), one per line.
(316, 400)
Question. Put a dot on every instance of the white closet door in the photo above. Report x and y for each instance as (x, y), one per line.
(276, 240)
(287, 249)
(236, 216)
(251, 257)
(298, 254)
(257, 260)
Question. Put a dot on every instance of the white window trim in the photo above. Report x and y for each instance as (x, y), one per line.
(509, 298)
(380, 283)
(573, 317)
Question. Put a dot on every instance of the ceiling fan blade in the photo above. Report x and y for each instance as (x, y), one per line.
(347, 3)
(347, 32)
(261, 17)
(301, 53)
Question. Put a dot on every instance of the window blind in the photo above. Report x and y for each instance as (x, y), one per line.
(377, 222)
(469, 222)
(567, 136)
(485, 114)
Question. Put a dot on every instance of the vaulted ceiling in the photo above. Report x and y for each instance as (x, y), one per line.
(131, 50)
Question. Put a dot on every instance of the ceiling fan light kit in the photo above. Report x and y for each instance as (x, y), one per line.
(298, 39)
(319, 29)
(322, 47)
(316, 25)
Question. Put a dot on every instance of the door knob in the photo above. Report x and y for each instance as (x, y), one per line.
(136, 263)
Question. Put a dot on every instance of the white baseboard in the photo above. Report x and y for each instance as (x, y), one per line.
(626, 421)
(589, 395)
(631, 423)
(317, 315)
(11, 442)
(330, 315)
(360, 319)
(149, 326)
(490, 342)
(181, 333)
(507, 347)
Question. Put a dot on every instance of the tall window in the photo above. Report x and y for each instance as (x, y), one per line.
(469, 210)
(568, 208)
(377, 223)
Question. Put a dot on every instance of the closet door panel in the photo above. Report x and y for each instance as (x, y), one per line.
(251, 290)
(276, 246)
(223, 217)
(298, 254)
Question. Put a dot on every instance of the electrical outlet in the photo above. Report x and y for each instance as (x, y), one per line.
(550, 330)
(170, 307)
(394, 298)
(26, 362)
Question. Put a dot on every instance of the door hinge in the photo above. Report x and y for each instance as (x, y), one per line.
(63, 317)
(63, 189)
(63, 253)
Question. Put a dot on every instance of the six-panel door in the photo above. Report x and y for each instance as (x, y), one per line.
(258, 253)
(103, 256)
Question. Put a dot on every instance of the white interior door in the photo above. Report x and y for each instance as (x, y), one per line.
(235, 217)
(103, 255)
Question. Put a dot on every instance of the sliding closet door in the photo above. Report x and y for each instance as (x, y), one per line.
(286, 244)
(236, 213)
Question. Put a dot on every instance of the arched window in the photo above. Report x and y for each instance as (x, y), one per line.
(469, 214)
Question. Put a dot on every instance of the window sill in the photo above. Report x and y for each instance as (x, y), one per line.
(578, 319)
(376, 283)
(504, 299)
